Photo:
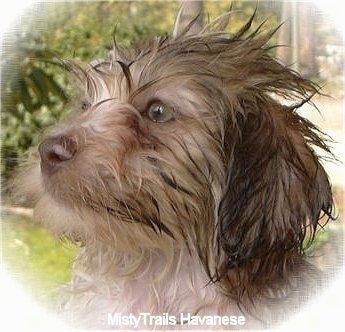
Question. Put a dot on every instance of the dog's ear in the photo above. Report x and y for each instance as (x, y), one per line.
(276, 189)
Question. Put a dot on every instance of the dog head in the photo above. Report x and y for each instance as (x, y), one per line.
(189, 142)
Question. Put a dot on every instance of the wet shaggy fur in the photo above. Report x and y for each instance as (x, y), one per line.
(189, 178)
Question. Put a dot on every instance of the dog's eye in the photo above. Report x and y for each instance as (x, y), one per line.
(159, 112)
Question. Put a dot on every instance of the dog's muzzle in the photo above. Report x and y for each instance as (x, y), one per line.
(55, 152)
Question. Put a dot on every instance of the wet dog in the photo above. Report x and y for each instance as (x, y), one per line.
(190, 180)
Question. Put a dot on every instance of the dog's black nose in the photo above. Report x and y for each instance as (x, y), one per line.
(55, 151)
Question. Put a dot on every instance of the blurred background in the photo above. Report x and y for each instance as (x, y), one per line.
(35, 91)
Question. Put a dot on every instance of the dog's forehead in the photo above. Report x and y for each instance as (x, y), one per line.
(134, 72)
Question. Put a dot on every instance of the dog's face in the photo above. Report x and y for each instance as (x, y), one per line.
(183, 144)
(143, 160)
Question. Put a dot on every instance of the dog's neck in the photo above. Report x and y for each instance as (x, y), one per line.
(177, 273)
(150, 282)
(147, 283)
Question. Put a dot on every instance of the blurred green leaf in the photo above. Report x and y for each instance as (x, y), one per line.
(34, 258)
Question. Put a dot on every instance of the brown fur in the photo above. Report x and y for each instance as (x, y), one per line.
(207, 212)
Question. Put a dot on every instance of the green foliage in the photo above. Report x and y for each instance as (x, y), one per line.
(34, 259)
(32, 99)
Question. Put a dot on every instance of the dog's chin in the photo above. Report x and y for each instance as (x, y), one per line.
(62, 220)
(66, 220)
(98, 228)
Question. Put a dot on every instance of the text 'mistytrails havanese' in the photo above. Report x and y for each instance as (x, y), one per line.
(191, 181)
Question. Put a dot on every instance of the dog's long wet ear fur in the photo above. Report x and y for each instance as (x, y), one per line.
(276, 189)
